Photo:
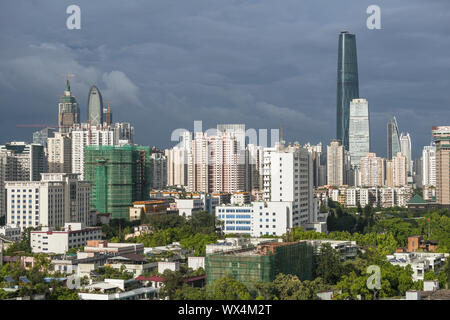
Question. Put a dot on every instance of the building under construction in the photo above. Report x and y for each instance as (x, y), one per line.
(119, 175)
(262, 263)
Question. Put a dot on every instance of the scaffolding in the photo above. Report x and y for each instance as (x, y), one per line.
(262, 263)
(119, 175)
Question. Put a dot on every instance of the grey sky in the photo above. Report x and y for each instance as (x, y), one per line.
(165, 63)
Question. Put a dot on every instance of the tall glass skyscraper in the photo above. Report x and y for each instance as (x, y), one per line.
(359, 131)
(347, 84)
(393, 139)
(95, 107)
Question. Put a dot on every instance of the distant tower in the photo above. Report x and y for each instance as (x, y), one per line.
(393, 139)
(405, 148)
(347, 84)
(359, 130)
(107, 115)
(69, 111)
(95, 107)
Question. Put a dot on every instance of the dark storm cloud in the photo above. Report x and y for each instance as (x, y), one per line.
(165, 63)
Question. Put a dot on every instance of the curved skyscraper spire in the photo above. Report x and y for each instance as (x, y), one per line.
(393, 143)
(95, 107)
(347, 84)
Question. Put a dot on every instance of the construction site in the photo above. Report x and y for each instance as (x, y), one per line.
(119, 175)
(263, 262)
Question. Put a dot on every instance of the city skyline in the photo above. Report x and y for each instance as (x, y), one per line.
(283, 82)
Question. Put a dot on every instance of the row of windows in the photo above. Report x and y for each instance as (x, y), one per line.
(238, 228)
(238, 222)
(267, 226)
(24, 196)
(25, 201)
(24, 211)
(235, 210)
(23, 207)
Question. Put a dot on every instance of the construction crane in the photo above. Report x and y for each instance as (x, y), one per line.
(51, 126)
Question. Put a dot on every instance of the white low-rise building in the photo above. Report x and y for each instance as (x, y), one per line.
(347, 249)
(82, 263)
(11, 231)
(116, 289)
(196, 262)
(186, 207)
(256, 219)
(172, 266)
(420, 262)
(232, 244)
(73, 235)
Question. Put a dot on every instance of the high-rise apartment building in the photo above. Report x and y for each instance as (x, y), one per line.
(389, 174)
(316, 156)
(158, 171)
(399, 170)
(176, 166)
(288, 177)
(347, 84)
(69, 111)
(60, 153)
(335, 164)
(429, 166)
(86, 135)
(56, 199)
(238, 130)
(359, 130)
(405, 148)
(254, 167)
(95, 107)
(41, 136)
(215, 164)
(29, 163)
(393, 139)
(441, 135)
(372, 170)
(124, 132)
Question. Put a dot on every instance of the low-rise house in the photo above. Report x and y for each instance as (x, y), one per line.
(196, 262)
(117, 289)
(172, 266)
(416, 243)
(347, 249)
(158, 281)
(133, 263)
(81, 263)
(11, 231)
(420, 262)
(139, 231)
(103, 246)
(25, 261)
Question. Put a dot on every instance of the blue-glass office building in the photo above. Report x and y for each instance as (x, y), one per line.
(347, 84)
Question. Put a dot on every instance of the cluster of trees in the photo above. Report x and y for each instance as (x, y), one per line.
(399, 223)
(348, 279)
(22, 247)
(53, 290)
(107, 272)
(284, 287)
(193, 234)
